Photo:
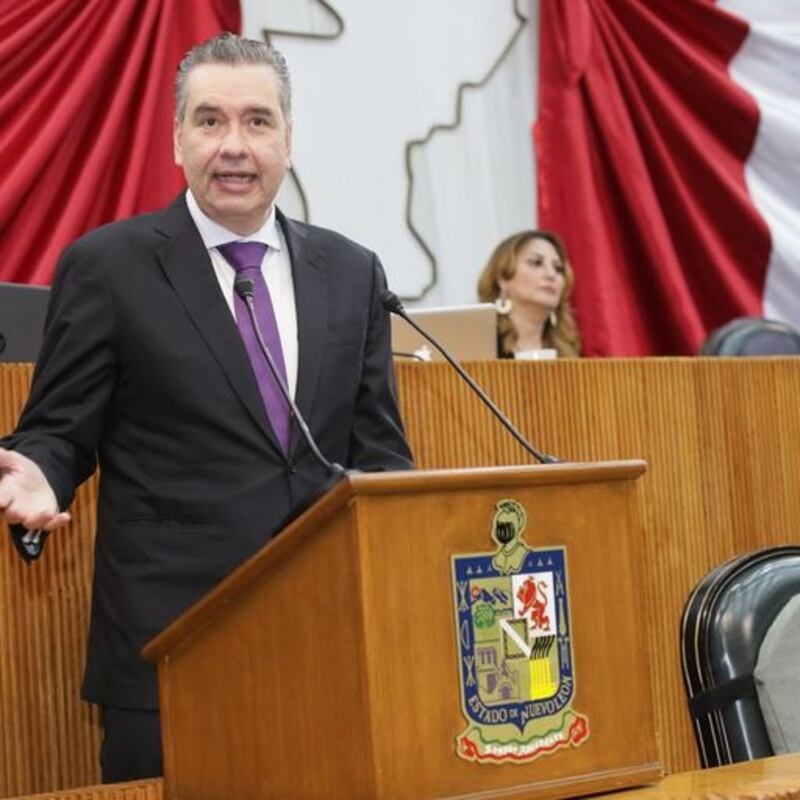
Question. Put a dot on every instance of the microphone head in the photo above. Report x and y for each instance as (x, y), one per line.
(243, 287)
(391, 302)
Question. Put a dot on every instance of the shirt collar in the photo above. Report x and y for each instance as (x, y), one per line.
(213, 234)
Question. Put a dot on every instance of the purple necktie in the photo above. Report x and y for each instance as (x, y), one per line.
(246, 258)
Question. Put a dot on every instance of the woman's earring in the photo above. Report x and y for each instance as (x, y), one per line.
(503, 305)
(553, 319)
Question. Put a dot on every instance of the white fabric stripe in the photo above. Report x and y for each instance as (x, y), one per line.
(768, 67)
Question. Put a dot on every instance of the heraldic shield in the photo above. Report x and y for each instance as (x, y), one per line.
(515, 648)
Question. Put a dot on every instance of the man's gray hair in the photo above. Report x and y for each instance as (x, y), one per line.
(228, 48)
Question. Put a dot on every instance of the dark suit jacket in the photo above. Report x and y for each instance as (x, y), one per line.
(143, 370)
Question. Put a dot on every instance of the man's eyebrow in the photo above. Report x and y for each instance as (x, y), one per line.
(264, 111)
(210, 108)
(205, 108)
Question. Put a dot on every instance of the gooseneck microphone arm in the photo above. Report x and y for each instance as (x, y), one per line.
(391, 302)
(244, 289)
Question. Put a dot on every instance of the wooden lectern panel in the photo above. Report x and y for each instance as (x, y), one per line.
(719, 435)
(328, 666)
(289, 659)
(415, 698)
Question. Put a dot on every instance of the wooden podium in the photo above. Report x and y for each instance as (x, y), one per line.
(328, 666)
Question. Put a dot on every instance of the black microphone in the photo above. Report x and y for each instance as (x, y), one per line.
(244, 288)
(391, 302)
(29, 544)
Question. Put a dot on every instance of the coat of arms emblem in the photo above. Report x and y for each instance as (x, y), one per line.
(515, 648)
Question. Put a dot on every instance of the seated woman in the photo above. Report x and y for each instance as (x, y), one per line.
(529, 280)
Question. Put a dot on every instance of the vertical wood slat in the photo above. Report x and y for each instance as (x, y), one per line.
(720, 437)
(721, 440)
(49, 739)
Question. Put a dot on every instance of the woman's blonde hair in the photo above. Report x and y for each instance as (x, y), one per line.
(563, 336)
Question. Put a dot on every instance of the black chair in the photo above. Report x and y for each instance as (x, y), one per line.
(752, 336)
(724, 625)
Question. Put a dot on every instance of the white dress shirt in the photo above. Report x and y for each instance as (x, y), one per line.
(276, 268)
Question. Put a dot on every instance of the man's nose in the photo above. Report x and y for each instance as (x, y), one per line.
(233, 143)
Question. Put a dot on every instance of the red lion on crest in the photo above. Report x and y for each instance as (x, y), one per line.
(533, 599)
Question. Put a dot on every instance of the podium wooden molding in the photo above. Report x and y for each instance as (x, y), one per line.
(327, 665)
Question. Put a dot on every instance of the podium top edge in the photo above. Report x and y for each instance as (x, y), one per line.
(472, 478)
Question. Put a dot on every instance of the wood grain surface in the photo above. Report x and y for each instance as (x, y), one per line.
(361, 699)
(135, 790)
(720, 437)
(49, 739)
(776, 778)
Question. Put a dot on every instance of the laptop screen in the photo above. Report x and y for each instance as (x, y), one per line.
(22, 313)
(468, 333)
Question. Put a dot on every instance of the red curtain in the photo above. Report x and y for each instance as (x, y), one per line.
(86, 113)
(641, 141)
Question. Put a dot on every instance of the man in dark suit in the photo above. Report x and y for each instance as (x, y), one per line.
(148, 369)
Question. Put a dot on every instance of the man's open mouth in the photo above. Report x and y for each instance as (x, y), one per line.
(235, 178)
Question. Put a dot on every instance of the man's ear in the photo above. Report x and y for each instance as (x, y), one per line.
(176, 142)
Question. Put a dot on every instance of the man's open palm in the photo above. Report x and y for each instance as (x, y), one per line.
(26, 497)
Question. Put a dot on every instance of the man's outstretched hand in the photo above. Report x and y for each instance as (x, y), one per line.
(26, 497)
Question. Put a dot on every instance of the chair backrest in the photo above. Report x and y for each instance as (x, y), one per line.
(725, 621)
(777, 679)
(752, 336)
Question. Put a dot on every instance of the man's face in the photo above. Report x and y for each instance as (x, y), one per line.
(233, 143)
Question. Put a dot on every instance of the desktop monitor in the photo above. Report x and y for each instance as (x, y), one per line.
(22, 313)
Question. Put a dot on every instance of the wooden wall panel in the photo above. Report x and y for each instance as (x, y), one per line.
(721, 440)
(49, 739)
(720, 436)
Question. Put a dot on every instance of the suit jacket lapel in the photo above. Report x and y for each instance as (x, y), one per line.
(188, 268)
(311, 302)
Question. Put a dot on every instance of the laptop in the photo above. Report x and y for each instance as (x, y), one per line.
(468, 333)
(22, 312)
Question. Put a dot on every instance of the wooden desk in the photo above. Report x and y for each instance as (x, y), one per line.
(135, 790)
(719, 436)
(776, 778)
(720, 439)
